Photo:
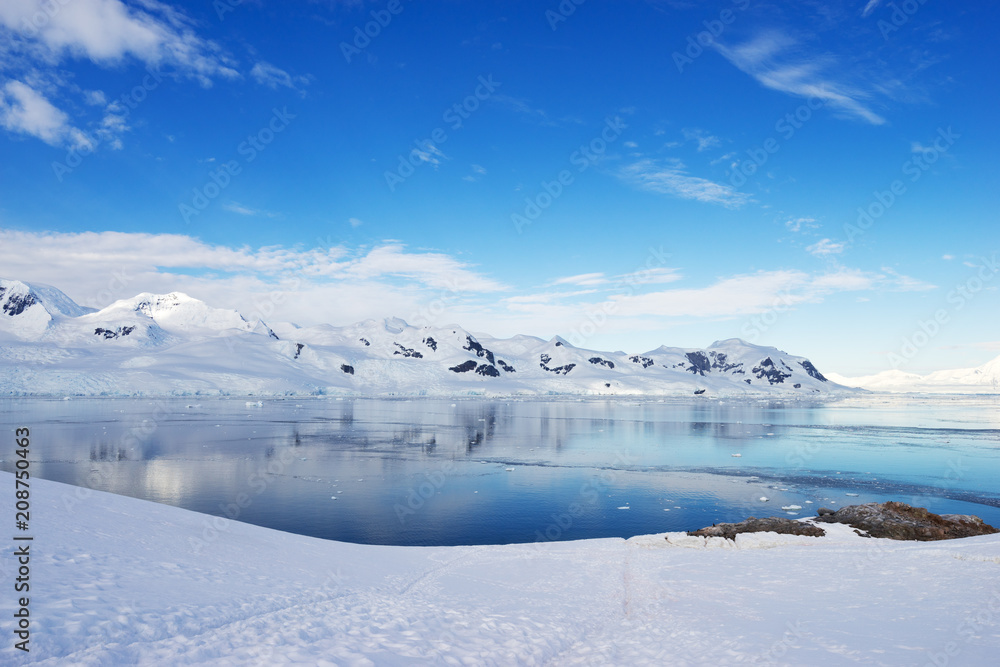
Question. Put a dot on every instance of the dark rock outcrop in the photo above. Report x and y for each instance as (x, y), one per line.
(597, 361)
(899, 521)
(768, 369)
(755, 525)
(808, 366)
(111, 334)
(699, 363)
(473, 345)
(505, 366)
(407, 352)
(347, 369)
(464, 367)
(17, 304)
(645, 361)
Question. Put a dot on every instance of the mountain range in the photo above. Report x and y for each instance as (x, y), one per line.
(173, 344)
(983, 379)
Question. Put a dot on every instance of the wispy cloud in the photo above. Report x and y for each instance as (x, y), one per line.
(870, 7)
(478, 171)
(321, 284)
(582, 279)
(234, 207)
(769, 59)
(24, 110)
(703, 139)
(273, 76)
(797, 224)
(826, 247)
(671, 177)
(649, 276)
(109, 33)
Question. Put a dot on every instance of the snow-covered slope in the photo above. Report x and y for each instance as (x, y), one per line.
(119, 581)
(27, 310)
(175, 344)
(982, 380)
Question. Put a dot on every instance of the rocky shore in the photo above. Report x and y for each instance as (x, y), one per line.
(892, 520)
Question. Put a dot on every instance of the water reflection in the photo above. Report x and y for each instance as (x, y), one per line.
(487, 471)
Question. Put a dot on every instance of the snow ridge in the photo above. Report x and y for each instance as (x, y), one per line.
(174, 344)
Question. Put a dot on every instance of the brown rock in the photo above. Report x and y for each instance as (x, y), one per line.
(755, 525)
(899, 521)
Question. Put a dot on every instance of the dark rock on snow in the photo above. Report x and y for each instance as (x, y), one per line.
(755, 525)
(899, 521)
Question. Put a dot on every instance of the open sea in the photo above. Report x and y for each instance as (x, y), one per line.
(498, 471)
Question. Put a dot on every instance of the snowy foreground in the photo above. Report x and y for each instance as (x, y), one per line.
(116, 580)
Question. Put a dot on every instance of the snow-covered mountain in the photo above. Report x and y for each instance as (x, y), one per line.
(982, 380)
(174, 344)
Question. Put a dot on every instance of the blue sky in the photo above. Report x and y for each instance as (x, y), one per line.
(623, 174)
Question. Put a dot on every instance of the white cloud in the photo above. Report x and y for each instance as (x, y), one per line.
(870, 7)
(341, 284)
(234, 207)
(704, 141)
(582, 279)
(477, 172)
(39, 35)
(355, 222)
(24, 110)
(273, 76)
(947, 258)
(826, 247)
(796, 224)
(322, 284)
(670, 177)
(766, 59)
(108, 31)
(95, 98)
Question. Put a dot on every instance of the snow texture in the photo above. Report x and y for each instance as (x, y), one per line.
(122, 581)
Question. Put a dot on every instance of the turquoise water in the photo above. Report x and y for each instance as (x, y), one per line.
(482, 471)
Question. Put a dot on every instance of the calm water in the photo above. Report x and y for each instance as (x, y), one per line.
(480, 471)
